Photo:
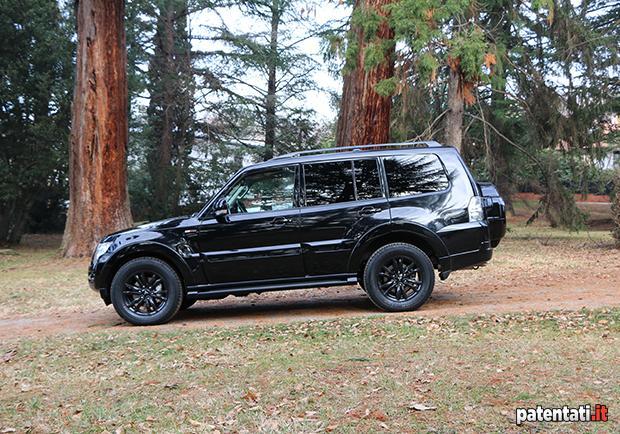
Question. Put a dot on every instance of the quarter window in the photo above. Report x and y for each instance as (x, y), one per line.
(414, 174)
(328, 183)
(271, 190)
(367, 182)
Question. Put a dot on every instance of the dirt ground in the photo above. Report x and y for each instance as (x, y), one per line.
(533, 269)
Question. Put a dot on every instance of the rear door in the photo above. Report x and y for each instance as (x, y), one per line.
(341, 201)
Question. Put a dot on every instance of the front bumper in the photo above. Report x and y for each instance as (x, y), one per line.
(103, 292)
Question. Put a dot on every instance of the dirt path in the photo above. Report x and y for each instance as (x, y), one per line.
(326, 303)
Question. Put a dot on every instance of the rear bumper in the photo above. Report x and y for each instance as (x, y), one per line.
(469, 244)
(472, 258)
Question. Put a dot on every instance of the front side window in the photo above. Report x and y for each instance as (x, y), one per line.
(414, 174)
(271, 190)
(328, 183)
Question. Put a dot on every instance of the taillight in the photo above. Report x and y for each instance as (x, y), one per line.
(475, 210)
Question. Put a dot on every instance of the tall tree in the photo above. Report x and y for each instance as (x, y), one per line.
(258, 76)
(99, 202)
(35, 81)
(170, 112)
(364, 116)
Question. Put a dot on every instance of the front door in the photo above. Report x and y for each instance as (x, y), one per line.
(343, 200)
(260, 239)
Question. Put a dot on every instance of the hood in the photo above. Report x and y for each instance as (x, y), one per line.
(164, 224)
(160, 224)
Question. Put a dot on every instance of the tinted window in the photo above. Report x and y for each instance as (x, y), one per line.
(367, 179)
(271, 190)
(413, 174)
(329, 183)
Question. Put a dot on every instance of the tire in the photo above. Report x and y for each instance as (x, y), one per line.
(186, 304)
(146, 291)
(403, 265)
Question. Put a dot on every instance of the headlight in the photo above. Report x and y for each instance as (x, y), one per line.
(100, 250)
(475, 210)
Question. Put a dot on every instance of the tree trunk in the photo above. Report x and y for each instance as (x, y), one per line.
(161, 111)
(170, 112)
(13, 219)
(271, 98)
(98, 198)
(454, 116)
(364, 114)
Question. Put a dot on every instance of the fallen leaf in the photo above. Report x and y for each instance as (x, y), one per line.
(8, 356)
(250, 395)
(421, 407)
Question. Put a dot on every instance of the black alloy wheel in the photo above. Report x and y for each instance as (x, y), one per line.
(399, 277)
(146, 291)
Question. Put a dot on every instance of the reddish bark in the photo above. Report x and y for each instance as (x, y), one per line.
(364, 114)
(99, 202)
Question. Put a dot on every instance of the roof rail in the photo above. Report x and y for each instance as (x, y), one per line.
(377, 147)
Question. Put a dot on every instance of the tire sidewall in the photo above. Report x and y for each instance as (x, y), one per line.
(171, 282)
(385, 253)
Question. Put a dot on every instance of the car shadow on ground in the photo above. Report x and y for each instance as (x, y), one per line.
(235, 309)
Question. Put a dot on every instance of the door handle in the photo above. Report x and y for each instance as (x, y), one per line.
(368, 210)
(280, 221)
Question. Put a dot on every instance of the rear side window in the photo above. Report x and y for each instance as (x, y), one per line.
(414, 174)
(328, 183)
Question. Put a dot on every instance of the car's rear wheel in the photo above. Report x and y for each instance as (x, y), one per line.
(146, 291)
(399, 277)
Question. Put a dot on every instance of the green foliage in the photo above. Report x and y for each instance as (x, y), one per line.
(469, 47)
(427, 65)
(35, 92)
(367, 19)
(420, 23)
(543, 77)
(387, 87)
(350, 56)
(376, 53)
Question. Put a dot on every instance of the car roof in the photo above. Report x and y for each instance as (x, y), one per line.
(332, 154)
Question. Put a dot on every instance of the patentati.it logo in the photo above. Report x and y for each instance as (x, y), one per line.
(583, 413)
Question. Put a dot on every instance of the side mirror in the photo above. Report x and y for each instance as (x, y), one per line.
(220, 211)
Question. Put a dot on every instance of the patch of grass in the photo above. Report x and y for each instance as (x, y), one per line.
(545, 233)
(37, 279)
(357, 375)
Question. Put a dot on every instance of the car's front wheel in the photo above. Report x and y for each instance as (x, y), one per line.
(399, 277)
(146, 291)
(186, 304)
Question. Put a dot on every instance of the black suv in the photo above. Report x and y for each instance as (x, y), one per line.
(382, 216)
